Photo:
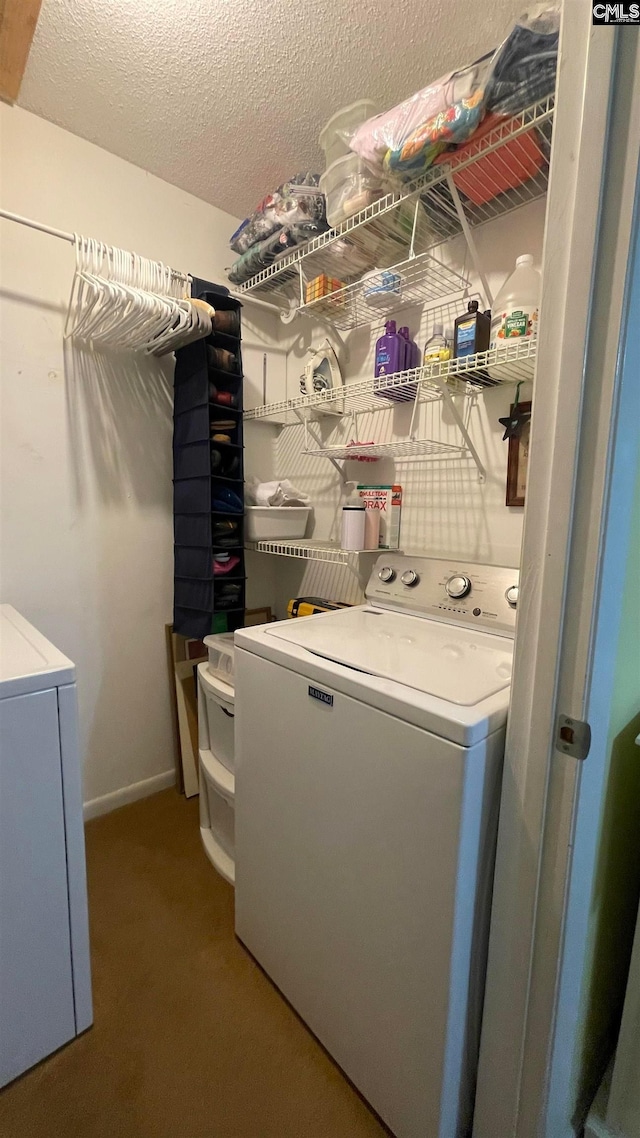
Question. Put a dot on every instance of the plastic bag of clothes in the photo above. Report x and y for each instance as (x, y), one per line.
(294, 202)
(446, 111)
(262, 255)
(449, 128)
(404, 142)
(524, 66)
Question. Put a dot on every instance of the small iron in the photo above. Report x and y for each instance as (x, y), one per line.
(322, 372)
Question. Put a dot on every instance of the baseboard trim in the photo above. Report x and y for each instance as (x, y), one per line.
(108, 802)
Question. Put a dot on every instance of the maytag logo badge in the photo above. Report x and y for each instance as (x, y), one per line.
(323, 696)
(616, 14)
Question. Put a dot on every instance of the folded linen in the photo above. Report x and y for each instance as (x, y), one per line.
(278, 493)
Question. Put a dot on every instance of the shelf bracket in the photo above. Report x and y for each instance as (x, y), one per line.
(446, 395)
(288, 314)
(412, 249)
(309, 430)
(466, 229)
(416, 407)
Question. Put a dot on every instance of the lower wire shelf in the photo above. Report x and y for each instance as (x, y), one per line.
(325, 551)
(399, 448)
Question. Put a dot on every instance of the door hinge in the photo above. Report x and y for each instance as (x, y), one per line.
(573, 737)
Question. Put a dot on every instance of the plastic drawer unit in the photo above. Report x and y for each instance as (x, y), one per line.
(216, 718)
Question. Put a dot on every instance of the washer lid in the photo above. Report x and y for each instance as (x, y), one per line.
(459, 665)
(28, 662)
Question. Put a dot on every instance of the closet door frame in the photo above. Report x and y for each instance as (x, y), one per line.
(584, 438)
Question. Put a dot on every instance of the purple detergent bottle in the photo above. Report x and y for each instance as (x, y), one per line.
(416, 355)
(408, 351)
(394, 352)
(390, 350)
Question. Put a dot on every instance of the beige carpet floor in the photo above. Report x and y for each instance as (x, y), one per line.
(190, 1038)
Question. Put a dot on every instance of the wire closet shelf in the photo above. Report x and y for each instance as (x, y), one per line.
(401, 230)
(324, 551)
(465, 376)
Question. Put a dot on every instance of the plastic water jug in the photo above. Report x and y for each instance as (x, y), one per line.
(515, 308)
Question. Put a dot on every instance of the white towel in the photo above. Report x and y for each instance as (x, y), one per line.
(281, 493)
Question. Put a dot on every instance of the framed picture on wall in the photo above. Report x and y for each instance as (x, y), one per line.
(518, 460)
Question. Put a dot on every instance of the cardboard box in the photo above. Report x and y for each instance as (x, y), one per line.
(387, 499)
(320, 286)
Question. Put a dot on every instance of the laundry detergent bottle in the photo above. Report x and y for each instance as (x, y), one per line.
(515, 308)
(390, 351)
(436, 346)
(412, 351)
(407, 356)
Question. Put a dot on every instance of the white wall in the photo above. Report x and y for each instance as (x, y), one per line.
(446, 510)
(86, 525)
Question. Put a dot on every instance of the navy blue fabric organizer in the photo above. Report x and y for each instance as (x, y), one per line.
(203, 602)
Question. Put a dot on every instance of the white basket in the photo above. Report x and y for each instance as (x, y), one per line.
(216, 718)
(269, 523)
(333, 137)
(220, 649)
(349, 186)
(217, 826)
(220, 815)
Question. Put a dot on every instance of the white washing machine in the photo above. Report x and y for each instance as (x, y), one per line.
(369, 747)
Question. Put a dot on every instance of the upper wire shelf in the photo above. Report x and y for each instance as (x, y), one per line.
(511, 363)
(410, 222)
(423, 280)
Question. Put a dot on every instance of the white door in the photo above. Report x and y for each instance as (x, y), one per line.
(584, 458)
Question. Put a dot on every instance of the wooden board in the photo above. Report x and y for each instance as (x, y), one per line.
(171, 665)
(18, 19)
(184, 710)
(187, 700)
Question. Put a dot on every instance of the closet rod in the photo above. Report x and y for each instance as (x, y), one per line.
(36, 225)
(70, 238)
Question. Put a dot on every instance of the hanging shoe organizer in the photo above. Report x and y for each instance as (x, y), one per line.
(208, 477)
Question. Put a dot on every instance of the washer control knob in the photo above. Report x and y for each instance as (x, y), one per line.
(410, 578)
(512, 595)
(387, 574)
(458, 587)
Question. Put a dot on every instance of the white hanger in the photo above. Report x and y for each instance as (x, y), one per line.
(123, 301)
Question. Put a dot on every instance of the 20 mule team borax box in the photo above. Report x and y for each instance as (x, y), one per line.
(388, 500)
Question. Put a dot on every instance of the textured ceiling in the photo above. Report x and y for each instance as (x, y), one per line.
(225, 98)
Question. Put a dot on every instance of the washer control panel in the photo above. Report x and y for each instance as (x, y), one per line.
(458, 587)
(410, 578)
(387, 574)
(485, 596)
